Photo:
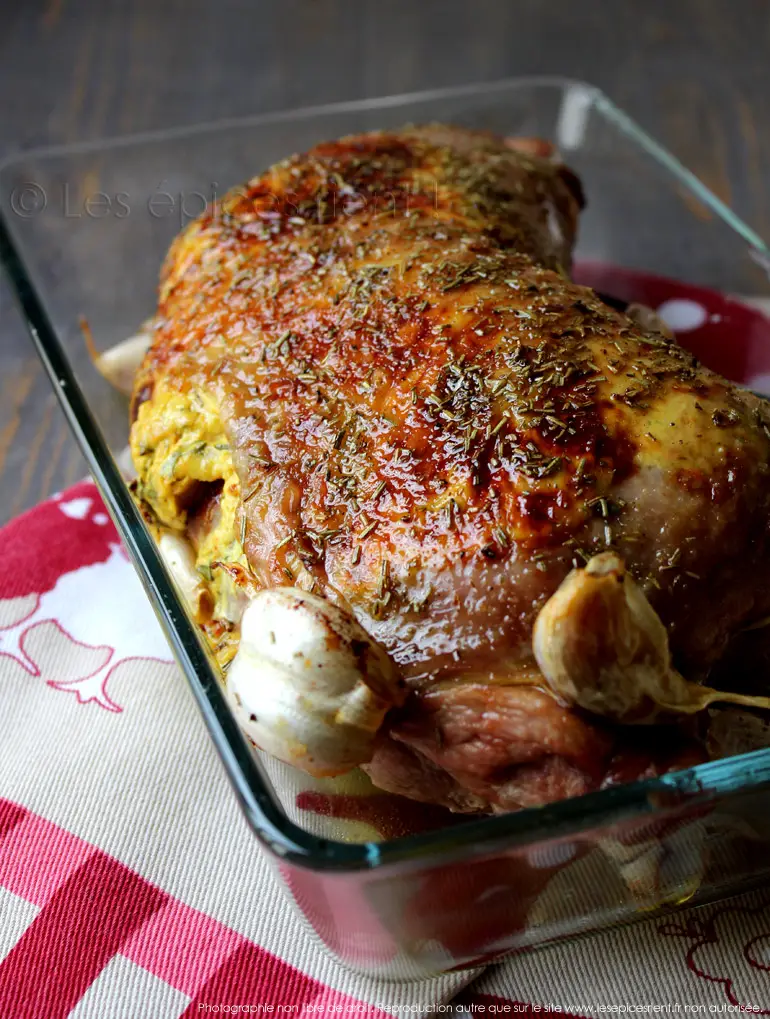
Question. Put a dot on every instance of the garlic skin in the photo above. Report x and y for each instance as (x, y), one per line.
(649, 320)
(178, 555)
(308, 684)
(120, 363)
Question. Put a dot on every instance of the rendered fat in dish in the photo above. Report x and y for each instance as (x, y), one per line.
(376, 414)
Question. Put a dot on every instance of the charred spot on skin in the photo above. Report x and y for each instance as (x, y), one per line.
(620, 451)
(692, 480)
(725, 418)
(538, 507)
(723, 484)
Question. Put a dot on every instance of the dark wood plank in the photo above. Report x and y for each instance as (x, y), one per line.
(692, 72)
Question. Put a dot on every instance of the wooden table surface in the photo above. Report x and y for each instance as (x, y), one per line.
(693, 72)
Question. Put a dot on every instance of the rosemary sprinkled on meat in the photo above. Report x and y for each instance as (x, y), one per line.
(411, 384)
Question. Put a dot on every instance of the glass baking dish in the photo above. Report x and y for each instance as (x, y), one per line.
(83, 232)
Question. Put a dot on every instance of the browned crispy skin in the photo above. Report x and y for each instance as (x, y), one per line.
(430, 424)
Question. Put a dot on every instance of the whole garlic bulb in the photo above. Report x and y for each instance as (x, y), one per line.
(308, 684)
(601, 645)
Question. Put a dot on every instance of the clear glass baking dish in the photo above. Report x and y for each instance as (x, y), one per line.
(83, 231)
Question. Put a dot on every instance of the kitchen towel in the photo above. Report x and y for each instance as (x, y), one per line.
(131, 886)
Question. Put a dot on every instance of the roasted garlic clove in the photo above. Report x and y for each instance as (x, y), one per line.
(600, 645)
(308, 685)
(178, 555)
(660, 870)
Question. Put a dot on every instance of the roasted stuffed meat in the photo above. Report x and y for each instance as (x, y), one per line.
(382, 437)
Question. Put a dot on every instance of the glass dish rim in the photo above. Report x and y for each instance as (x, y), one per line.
(265, 815)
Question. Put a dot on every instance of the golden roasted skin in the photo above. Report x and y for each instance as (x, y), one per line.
(371, 377)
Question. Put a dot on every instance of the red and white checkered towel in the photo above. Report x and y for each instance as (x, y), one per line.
(130, 885)
(132, 888)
